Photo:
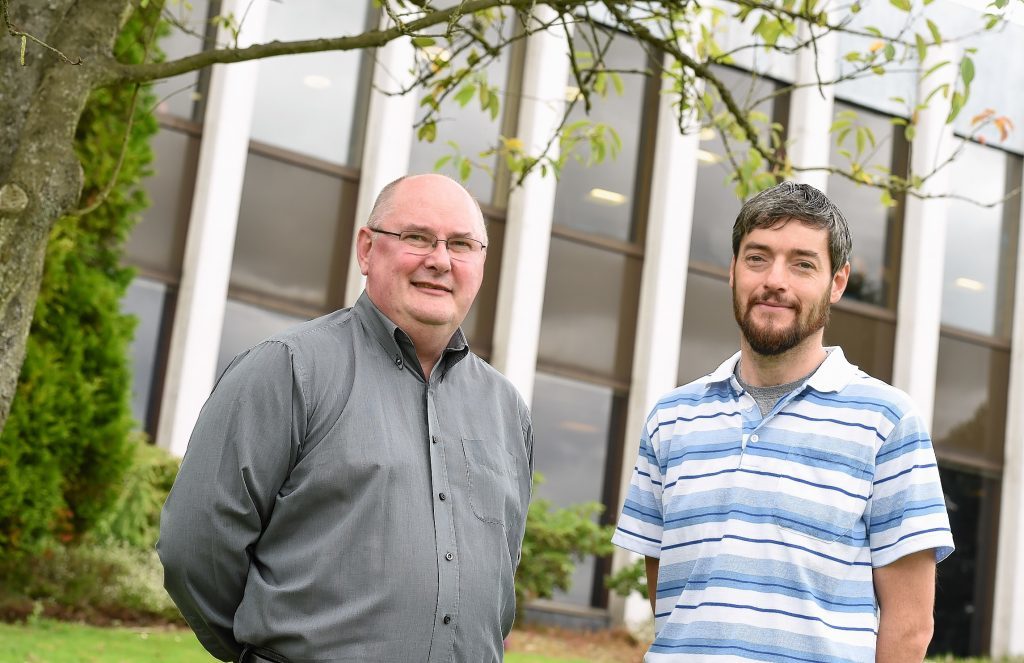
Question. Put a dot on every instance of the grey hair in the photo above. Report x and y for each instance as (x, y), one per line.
(385, 204)
(803, 203)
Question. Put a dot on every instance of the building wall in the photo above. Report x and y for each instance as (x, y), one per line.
(595, 281)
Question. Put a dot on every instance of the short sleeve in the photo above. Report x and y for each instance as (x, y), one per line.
(907, 510)
(641, 522)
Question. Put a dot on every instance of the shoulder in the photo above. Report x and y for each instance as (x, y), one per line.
(876, 394)
(315, 331)
(484, 378)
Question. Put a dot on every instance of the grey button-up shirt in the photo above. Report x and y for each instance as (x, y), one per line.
(333, 505)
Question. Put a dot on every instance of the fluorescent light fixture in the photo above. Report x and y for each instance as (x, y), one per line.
(578, 427)
(316, 81)
(606, 197)
(969, 284)
(704, 156)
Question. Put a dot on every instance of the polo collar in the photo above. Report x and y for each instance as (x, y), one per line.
(832, 375)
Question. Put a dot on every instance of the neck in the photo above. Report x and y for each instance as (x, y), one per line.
(768, 371)
(429, 348)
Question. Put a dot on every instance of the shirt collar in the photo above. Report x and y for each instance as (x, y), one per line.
(832, 375)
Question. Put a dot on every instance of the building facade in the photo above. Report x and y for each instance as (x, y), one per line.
(608, 286)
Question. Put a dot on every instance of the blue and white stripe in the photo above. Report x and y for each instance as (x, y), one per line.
(768, 528)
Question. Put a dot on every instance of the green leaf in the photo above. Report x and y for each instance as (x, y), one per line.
(493, 106)
(903, 5)
(465, 93)
(423, 42)
(485, 96)
(955, 106)
(922, 48)
(967, 70)
(874, 31)
(890, 52)
(934, 68)
(440, 163)
(934, 29)
(620, 88)
(878, 70)
(427, 132)
(861, 140)
(465, 169)
(853, 56)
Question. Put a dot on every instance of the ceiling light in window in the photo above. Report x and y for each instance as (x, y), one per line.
(606, 197)
(316, 81)
(707, 133)
(704, 156)
(578, 427)
(434, 53)
(969, 284)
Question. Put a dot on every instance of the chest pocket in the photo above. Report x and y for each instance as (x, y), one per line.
(821, 495)
(491, 473)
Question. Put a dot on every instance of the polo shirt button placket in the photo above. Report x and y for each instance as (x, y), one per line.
(447, 619)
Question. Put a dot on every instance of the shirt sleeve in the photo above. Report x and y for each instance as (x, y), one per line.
(907, 509)
(241, 450)
(641, 522)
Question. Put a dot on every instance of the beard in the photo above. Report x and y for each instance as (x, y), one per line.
(771, 339)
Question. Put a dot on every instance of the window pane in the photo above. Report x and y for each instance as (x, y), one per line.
(970, 401)
(177, 95)
(716, 204)
(479, 323)
(157, 243)
(579, 417)
(600, 198)
(471, 130)
(867, 342)
(872, 273)
(710, 334)
(979, 270)
(293, 225)
(589, 316)
(145, 300)
(246, 325)
(308, 103)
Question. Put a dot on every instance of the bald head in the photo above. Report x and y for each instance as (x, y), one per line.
(384, 206)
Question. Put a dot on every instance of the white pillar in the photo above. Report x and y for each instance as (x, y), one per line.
(660, 313)
(387, 140)
(1008, 608)
(919, 309)
(811, 108)
(531, 207)
(209, 247)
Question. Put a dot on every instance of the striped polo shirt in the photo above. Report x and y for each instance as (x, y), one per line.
(768, 528)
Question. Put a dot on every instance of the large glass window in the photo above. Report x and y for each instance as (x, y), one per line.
(867, 341)
(246, 325)
(602, 198)
(312, 103)
(479, 323)
(589, 317)
(710, 334)
(716, 205)
(872, 274)
(294, 232)
(177, 95)
(970, 402)
(576, 421)
(157, 243)
(977, 284)
(145, 299)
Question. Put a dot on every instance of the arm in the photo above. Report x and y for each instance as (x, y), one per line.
(239, 454)
(651, 566)
(906, 596)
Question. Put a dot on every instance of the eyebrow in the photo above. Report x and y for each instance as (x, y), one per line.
(424, 229)
(803, 253)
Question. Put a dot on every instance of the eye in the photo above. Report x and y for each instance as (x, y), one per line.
(417, 239)
(460, 245)
(803, 264)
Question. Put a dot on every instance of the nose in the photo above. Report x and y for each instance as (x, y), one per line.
(438, 259)
(776, 279)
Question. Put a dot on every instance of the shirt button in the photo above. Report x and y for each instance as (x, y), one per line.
(447, 619)
(442, 496)
(398, 361)
(433, 438)
(449, 556)
(754, 438)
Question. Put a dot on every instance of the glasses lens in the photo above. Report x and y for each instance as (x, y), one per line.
(418, 240)
(462, 245)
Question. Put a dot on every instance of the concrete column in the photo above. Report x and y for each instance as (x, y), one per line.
(210, 244)
(530, 210)
(662, 297)
(1008, 608)
(387, 140)
(811, 107)
(919, 309)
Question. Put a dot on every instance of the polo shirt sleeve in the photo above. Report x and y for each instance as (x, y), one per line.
(641, 522)
(907, 509)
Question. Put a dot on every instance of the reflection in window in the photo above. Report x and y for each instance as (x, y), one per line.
(575, 420)
(589, 316)
(145, 300)
(600, 198)
(979, 268)
(970, 401)
(293, 224)
(177, 95)
(308, 103)
(157, 243)
(872, 274)
(479, 323)
(716, 205)
(246, 325)
(866, 341)
(468, 129)
(710, 334)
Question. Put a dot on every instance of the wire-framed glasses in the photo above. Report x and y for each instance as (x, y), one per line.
(423, 243)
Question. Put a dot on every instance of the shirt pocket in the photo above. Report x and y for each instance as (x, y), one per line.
(491, 473)
(821, 496)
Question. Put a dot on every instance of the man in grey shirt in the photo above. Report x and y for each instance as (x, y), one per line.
(356, 487)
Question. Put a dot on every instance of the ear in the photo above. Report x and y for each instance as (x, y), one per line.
(732, 272)
(839, 282)
(364, 242)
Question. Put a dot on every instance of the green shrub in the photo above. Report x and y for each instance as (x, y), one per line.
(628, 579)
(64, 447)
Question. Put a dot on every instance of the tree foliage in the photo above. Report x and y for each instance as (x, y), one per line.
(65, 445)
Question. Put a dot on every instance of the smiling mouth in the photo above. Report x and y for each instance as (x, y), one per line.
(431, 286)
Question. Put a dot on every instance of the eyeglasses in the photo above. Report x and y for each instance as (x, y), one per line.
(423, 243)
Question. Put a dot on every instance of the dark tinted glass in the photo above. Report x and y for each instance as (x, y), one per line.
(710, 334)
(479, 323)
(145, 300)
(246, 325)
(188, 27)
(866, 341)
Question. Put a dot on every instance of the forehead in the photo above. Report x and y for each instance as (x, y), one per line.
(789, 235)
(437, 205)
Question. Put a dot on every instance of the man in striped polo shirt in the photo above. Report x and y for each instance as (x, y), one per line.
(788, 504)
